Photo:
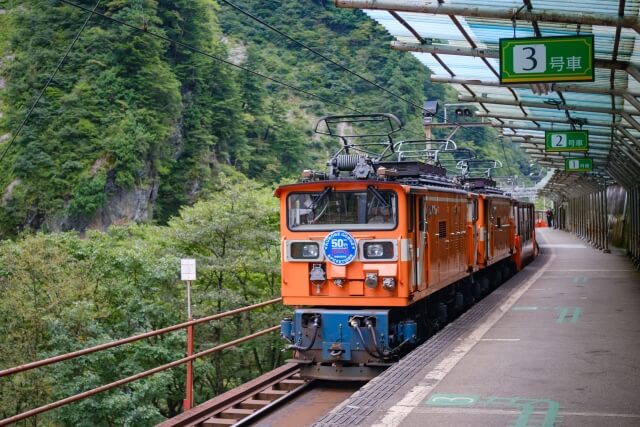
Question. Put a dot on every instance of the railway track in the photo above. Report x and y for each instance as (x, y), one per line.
(245, 403)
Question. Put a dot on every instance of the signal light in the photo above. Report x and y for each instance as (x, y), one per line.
(463, 112)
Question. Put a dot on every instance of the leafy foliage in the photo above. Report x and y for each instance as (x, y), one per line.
(60, 293)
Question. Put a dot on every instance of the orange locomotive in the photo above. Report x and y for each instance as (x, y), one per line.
(381, 251)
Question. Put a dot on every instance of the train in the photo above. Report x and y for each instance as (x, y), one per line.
(383, 248)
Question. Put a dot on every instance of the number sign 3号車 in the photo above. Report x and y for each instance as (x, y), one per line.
(546, 59)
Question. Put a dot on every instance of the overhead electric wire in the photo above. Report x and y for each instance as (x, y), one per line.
(315, 52)
(209, 55)
(64, 57)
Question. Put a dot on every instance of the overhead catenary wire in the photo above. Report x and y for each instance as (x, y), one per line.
(51, 77)
(315, 52)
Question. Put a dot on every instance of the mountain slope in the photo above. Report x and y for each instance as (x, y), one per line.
(134, 127)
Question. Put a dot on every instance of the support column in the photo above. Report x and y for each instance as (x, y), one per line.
(605, 205)
(576, 205)
(635, 219)
(572, 214)
(579, 217)
(593, 213)
(631, 212)
(585, 210)
(575, 216)
(587, 216)
(599, 216)
(636, 209)
(592, 216)
(596, 219)
(583, 215)
(601, 220)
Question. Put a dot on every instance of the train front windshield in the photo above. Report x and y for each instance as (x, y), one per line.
(370, 209)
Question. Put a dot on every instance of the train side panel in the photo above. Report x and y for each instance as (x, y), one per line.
(445, 226)
(525, 237)
(495, 229)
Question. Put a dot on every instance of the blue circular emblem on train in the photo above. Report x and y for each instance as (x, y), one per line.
(340, 247)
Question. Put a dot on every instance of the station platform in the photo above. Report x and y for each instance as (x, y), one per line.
(557, 344)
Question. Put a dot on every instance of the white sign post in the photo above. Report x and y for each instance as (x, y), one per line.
(187, 274)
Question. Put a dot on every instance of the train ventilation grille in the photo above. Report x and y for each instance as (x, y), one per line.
(442, 229)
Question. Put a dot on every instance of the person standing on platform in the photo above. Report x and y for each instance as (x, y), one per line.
(549, 218)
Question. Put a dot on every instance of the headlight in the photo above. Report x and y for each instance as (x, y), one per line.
(305, 250)
(378, 250)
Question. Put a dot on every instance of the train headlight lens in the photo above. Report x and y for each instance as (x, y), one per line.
(371, 280)
(378, 250)
(305, 250)
(389, 283)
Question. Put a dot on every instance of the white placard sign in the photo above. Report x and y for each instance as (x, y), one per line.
(187, 269)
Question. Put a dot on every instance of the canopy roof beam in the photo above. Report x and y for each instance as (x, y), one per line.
(534, 150)
(625, 114)
(541, 129)
(594, 123)
(554, 86)
(628, 135)
(540, 15)
(621, 147)
(526, 139)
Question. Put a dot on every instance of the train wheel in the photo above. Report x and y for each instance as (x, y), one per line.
(476, 290)
(468, 293)
(484, 285)
(497, 277)
(506, 271)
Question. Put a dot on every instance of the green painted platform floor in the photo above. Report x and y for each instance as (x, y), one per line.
(561, 349)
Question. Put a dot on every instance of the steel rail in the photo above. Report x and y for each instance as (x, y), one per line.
(72, 355)
(233, 397)
(106, 387)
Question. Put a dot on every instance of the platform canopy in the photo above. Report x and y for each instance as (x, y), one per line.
(459, 42)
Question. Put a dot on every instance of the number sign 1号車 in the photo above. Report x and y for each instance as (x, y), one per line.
(576, 140)
(582, 164)
(546, 59)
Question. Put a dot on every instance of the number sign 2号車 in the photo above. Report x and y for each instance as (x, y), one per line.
(575, 140)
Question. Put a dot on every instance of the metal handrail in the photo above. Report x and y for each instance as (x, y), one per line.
(88, 393)
(72, 355)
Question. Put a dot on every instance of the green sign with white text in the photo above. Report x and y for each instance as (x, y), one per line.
(547, 59)
(574, 140)
(582, 164)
